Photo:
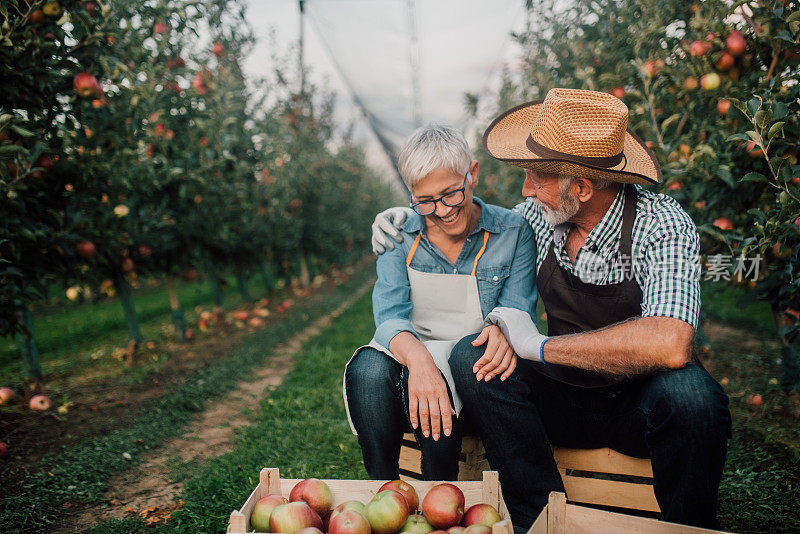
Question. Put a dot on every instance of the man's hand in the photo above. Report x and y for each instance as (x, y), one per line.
(385, 226)
(519, 330)
(498, 358)
(428, 401)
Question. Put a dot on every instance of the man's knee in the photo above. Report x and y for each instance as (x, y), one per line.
(463, 358)
(689, 398)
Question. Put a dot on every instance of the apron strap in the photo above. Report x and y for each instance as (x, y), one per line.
(413, 249)
(474, 266)
(483, 249)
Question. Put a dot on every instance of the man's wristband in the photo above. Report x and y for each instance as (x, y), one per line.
(541, 350)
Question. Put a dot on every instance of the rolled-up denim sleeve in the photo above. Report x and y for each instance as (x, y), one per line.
(519, 290)
(391, 297)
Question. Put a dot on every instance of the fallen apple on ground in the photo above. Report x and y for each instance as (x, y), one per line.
(40, 403)
(6, 395)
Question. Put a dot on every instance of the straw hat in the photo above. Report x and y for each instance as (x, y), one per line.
(576, 133)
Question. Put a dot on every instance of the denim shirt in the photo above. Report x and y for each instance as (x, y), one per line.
(506, 272)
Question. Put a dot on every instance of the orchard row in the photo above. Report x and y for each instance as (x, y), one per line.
(131, 147)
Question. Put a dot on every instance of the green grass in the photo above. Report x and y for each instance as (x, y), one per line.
(80, 473)
(734, 306)
(301, 428)
(63, 330)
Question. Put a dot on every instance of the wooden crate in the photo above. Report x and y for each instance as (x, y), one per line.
(558, 517)
(587, 473)
(486, 490)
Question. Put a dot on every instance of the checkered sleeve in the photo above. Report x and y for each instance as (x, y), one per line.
(541, 230)
(669, 265)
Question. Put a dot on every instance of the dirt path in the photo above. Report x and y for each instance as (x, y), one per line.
(148, 490)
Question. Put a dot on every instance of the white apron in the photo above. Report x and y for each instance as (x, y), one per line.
(445, 308)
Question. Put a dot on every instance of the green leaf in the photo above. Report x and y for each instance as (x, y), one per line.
(755, 137)
(780, 109)
(753, 105)
(774, 129)
(738, 104)
(22, 131)
(784, 35)
(753, 177)
(8, 149)
(763, 117)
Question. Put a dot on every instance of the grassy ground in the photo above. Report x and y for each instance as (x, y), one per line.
(65, 329)
(78, 475)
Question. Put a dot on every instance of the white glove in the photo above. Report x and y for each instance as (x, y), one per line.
(385, 226)
(520, 332)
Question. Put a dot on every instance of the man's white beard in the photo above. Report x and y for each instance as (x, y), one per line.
(568, 206)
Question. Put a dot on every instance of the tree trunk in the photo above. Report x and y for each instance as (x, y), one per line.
(178, 318)
(790, 363)
(305, 278)
(30, 353)
(125, 298)
(216, 287)
(265, 276)
(240, 280)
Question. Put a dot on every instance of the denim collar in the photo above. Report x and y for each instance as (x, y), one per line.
(487, 221)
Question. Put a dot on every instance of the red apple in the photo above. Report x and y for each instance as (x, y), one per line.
(190, 275)
(159, 129)
(160, 27)
(723, 106)
(386, 512)
(86, 249)
(458, 529)
(144, 250)
(199, 83)
(241, 315)
(37, 17)
(293, 517)
(91, 8)
(753, 150)
(725, 62)
(710, 81)
(699, 48)
(416, 524)
(690, 83)
(675, 186)
(40, 403)
(755, 400)
(6, 395)
(3, 450)
(481, 514)
(348, 505)
(478, 529)
(44, 161)
(349, 522)
(218, 49)
(735, 43)
(314, 492)
(619, 92)
(127, 265)
(723, 223)
(406, 490)
(259, 518)
(443, 505)
(86, 85)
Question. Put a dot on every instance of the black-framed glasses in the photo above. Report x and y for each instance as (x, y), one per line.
(451, 200)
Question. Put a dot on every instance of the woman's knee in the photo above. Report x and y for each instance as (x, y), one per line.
(372, 373)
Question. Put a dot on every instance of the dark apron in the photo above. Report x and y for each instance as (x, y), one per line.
(574, 306)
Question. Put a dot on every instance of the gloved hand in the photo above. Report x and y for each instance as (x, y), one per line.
(385, 226)
(520, 332)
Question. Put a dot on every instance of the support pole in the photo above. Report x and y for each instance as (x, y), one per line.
(213, 280)
(178, 318)
(30, 353)
(242, 283)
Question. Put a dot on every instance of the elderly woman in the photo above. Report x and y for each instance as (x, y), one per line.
(459, 260)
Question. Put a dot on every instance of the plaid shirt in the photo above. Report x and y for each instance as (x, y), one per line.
(665, 252)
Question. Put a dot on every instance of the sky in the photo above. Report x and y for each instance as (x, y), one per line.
(368, 47)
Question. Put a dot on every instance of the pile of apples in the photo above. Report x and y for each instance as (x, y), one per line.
(392, 510)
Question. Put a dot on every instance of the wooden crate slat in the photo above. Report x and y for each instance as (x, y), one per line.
(602, 460)
(610, 493)
(581, 519)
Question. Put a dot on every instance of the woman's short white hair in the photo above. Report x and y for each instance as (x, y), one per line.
(431, 147)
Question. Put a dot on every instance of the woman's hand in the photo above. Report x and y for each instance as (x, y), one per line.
(499, 357)
(428, 401)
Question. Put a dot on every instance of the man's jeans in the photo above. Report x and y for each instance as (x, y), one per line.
(377, 396)
(678, 418)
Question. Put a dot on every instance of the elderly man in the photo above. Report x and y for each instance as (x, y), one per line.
(618, 274)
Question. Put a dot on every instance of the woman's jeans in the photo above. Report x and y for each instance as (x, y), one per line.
(677, 418)
(377, 397)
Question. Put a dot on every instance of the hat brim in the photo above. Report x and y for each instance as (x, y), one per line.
(506, 140)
